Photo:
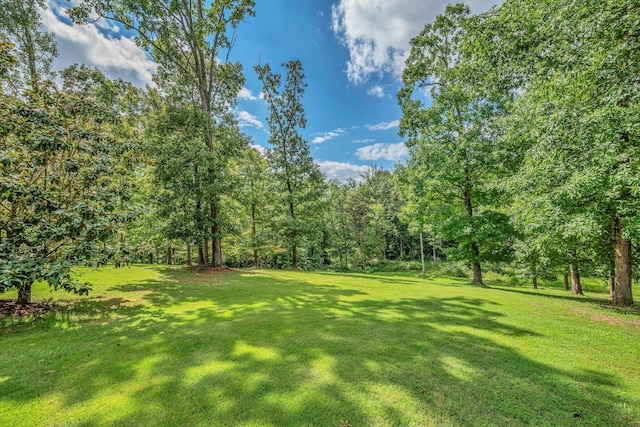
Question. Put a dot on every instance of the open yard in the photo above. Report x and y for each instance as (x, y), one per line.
(170, 346)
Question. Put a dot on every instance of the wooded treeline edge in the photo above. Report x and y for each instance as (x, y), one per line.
(522, 124)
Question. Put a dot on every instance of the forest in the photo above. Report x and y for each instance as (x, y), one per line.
(522, 124)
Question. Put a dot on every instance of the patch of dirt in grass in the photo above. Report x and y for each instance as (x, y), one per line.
(14, 308)
(614, 320)
(211, 270)
(611, 320)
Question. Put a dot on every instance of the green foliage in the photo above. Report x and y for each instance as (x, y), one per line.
(7, 60)
(192, 42)
(251, 202)
(299, 182)
(59, 192)
(574, 123)
(35, 50)
(453, 150)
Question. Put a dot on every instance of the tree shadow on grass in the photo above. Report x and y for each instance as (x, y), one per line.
(574, 298)
(390, 279)
(250, 350)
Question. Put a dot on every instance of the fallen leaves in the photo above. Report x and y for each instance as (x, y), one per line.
(14, 308)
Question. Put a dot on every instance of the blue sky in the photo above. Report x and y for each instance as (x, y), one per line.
(352, 51)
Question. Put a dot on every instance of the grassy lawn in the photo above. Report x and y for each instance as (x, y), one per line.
(169, 346)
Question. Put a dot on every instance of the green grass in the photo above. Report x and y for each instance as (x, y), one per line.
(167, 346)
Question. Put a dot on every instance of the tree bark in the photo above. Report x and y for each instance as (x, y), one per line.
(29, 46)
(621, 292)
(294, 235)
(294, 254)
(477, 271)
(422, 254)
(477, 274)
(189, 261)
(535, 282)
(24, 294)
(170, 255)
(151, 258)
(254, 234)
(206, 251)
(201, 247)
(216, 244)
(435, 259)
(576, 286)
(566, 282)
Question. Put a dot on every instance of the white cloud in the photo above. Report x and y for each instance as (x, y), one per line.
(259, 148)
(377, 32)
(382, 151)
(384, 125)
(245, 119)
(363, 141)
(342, 171)
(247, 94)
(325, 136)
(376, 91)
(86, 44)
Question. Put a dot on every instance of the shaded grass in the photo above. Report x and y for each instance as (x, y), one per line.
(165, 346)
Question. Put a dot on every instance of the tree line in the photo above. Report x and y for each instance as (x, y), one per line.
(521, 123)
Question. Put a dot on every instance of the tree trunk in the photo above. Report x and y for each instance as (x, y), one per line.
(189, 261)
(24, 294)
(535, 282)
(477, 271)
(422, 254)
(30, 47)
(254, 234)
(576, 286)
(170, 255)
(216, 244)
(477, 274)
(206, 251)
(621, 292)
(294, 254)
(294, 235)
(151, 258)
(435, 259)
(201, 255)
(566, 282)
(201, 247)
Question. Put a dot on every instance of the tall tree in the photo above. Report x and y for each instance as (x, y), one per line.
(341, 236)
(574, 66)
(192, 42)
(452, 140)
(254, 193)
(296, 174)
(20, 24)
(416, 211)
(60, 191)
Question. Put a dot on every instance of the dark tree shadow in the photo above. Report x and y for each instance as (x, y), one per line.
(287, 352)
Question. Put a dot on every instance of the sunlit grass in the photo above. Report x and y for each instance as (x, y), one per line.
(171, 346)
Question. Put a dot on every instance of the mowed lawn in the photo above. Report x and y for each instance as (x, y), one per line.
(170, 346)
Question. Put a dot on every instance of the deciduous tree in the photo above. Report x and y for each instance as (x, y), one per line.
(452, 140)
(192, 43)
(299, 180)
